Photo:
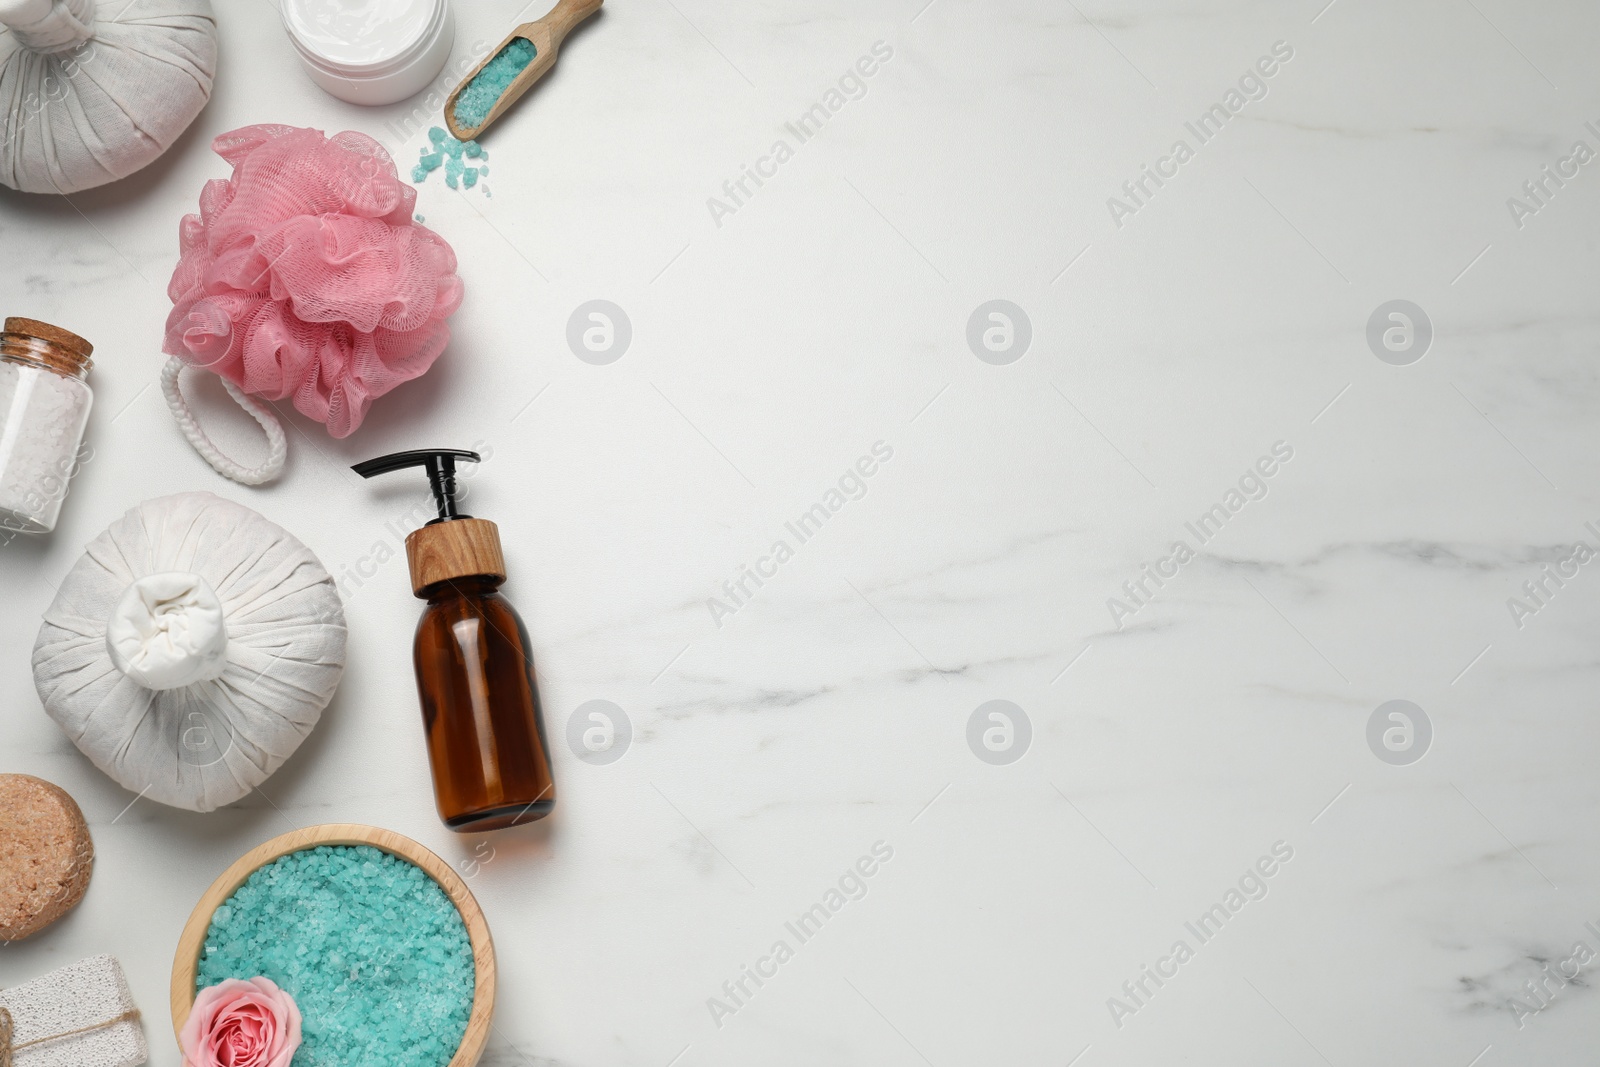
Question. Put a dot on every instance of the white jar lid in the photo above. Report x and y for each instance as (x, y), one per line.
(361, 36)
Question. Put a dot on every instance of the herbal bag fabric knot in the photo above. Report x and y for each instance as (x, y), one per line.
(92, 91)
(191, 649)
(305, 278)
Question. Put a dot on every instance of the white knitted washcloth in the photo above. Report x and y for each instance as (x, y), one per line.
(84, 994)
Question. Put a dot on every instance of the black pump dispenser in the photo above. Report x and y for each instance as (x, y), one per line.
(441, 465)
(474, 662)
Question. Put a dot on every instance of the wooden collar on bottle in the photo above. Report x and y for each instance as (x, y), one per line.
(459, 548)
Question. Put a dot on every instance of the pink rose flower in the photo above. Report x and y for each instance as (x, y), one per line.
(241, 1024)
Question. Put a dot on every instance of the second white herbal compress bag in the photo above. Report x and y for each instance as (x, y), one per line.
(191, 649)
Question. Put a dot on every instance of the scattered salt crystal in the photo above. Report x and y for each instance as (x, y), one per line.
(449, 154)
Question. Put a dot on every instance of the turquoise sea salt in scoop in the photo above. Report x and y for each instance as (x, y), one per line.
(485, 90)
(372, 950)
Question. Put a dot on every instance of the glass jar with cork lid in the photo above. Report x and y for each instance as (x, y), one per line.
(44, 407)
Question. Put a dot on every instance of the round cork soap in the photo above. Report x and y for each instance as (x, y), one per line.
(45, 855)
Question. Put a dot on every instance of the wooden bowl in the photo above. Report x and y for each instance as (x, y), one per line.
(187, 963)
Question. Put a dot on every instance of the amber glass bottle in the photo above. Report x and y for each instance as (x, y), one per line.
(475, 675)
(480, 708)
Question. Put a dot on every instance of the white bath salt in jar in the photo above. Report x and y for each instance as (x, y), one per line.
(373, 52)
(44, 407)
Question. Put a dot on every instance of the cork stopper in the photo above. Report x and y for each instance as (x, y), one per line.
(74, 344)
(44, 345)
(459, 548)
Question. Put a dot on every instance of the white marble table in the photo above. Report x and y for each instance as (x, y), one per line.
(1174, 737)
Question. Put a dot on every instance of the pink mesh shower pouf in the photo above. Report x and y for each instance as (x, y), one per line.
(304, 276)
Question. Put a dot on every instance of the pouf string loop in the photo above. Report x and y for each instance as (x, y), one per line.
(277, 446)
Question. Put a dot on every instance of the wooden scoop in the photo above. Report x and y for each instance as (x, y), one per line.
(546, 36)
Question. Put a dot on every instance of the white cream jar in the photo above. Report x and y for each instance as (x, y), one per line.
(371, 51)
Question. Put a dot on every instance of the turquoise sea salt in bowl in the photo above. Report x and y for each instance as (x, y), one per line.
(370, 947)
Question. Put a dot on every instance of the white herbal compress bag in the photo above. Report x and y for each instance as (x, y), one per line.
(191, 649)
(93, 90)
